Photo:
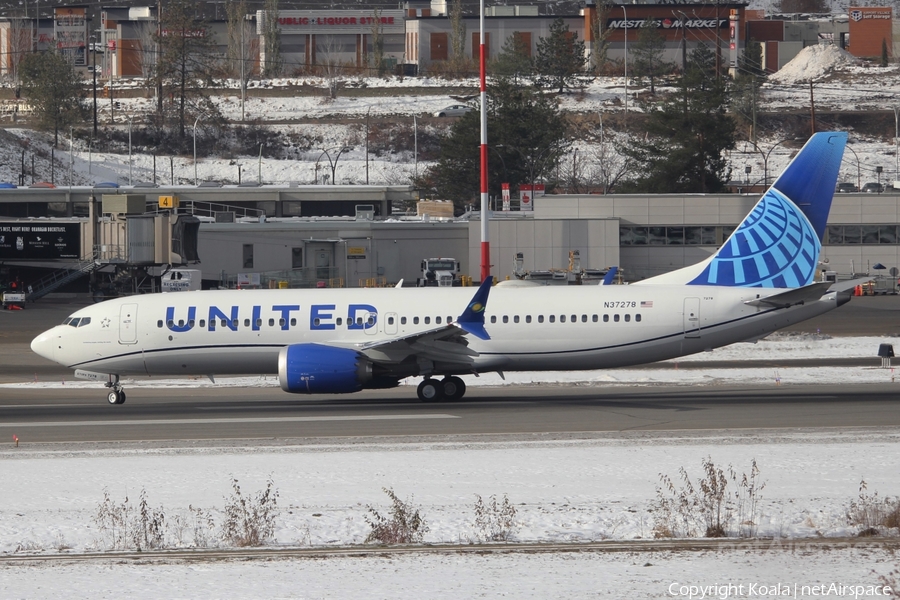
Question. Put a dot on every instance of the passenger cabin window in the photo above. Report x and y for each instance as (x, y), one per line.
(158, 323)
(271, 322)
(594, 318)
(493, 318)
(437, 320)
(415, 320)
(505, 319)
(616, 318)
(339, 321)
(390, 320)
(202, 323)
(627, 318)
(562, 318)
(540, 318)
(427, 320)
(637, 317)
(516, 319)
(528, 318)
(553, 318)
(294, 322)
(606, 318)
(584, 318)
(402, 320)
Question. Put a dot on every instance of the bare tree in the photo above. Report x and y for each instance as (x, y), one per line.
(272, 35)
(149, 54)
(328, 60)
(18, 44)
(377, 57)
(458, 61)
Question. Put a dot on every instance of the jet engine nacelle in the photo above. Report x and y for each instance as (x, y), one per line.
(320, 369)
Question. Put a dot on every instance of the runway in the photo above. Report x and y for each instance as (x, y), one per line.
(158, 415)
(37, 416)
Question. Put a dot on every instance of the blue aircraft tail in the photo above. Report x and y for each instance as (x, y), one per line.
(777, 245)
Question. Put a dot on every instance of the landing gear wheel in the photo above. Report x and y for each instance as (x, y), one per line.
(453, 388)
(121, 396)
(115, 397)
(429, 390)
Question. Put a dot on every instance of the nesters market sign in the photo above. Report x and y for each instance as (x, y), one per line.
(667, 23)
(332, 21)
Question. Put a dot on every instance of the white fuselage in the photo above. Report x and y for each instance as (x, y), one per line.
(532, 328)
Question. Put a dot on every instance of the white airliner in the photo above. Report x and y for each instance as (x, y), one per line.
(345, 340)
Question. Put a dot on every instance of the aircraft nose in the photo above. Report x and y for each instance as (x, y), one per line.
(44, 345)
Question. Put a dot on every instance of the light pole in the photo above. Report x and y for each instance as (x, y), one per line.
(197, 120)
(766, 159)
(331, 163)
(244, 58)
(130, 163)
(259, 168)
(625, 14)
(858, 168)
(897, 143)
(94, 73)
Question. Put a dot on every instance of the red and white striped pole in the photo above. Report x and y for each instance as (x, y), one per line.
(485, 201)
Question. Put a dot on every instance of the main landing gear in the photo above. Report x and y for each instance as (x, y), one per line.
(116, 393)
(450, 388)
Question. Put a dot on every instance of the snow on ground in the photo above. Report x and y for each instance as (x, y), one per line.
(682, 371)
(846, 88)
(452, 577)
(564, 491)
(813, 62)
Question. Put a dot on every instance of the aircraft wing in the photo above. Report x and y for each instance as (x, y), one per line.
(441, 344)
(444, 344)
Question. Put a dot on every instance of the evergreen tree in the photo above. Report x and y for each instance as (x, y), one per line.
(648, 54)
(514, 59)
(560, 57)
(528, 135)
(54, 89)
(187, 60)
(687, 135)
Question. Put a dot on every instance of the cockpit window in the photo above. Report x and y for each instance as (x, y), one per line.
(66, 322)
(84, 321)
(74, 322)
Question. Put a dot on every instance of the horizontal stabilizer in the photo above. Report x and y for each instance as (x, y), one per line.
(793, 297)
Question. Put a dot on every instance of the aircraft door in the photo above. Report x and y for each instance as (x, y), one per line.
(692, 317)
(371, 322)
(128, 324)
(390, 323)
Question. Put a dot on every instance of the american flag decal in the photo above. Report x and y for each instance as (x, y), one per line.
(646, 303)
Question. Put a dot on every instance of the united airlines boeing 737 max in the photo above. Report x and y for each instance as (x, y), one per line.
(345, 340)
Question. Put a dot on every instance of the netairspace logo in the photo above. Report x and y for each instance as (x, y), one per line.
(776, 590)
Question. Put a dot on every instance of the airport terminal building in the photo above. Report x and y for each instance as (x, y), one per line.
(363, 241)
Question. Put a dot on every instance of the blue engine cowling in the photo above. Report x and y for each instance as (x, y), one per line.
(320, 369)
